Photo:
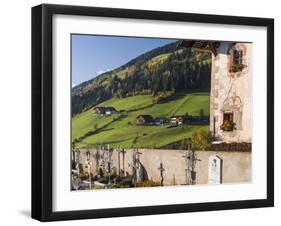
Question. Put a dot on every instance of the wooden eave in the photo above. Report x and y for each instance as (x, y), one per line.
(209, 46)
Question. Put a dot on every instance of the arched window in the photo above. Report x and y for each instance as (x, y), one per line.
(237, 57)
(237, 61)
(232, 114)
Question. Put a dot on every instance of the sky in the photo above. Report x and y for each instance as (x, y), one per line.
(93, 55)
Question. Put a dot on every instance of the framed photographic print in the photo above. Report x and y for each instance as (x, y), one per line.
(146, 112)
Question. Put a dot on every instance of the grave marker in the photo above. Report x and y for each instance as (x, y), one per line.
(215, 170)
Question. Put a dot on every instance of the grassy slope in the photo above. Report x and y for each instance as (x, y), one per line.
(128, 103)
(123, 132)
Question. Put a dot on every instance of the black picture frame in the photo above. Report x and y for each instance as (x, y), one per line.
(42, 111)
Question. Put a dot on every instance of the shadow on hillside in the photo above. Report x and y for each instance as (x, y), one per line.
(140, 108)
(93, 145)
(178, 96)
(201, 94)
(117, 141)
(174, 97)
(105, 130)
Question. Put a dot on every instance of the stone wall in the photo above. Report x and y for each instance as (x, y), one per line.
(236, 166)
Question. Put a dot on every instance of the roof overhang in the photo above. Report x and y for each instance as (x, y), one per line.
(209, 46)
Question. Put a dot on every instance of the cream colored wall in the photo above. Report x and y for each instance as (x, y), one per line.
(236, 165)
(223, 86)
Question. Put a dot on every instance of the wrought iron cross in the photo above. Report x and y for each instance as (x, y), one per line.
(191, 160)
(123, 158)
(161, 169)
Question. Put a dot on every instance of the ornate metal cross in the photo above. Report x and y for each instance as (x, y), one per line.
(190, 160)
(161, 169)
(135, 164)
(89, 164)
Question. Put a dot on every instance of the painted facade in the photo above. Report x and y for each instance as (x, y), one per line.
(231, 92)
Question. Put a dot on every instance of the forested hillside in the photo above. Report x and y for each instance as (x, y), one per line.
(161, 72)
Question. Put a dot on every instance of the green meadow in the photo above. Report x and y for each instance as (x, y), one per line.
(120, 129)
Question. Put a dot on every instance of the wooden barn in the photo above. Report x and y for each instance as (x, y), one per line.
(101, 111)
(177, 120)
(144, 119)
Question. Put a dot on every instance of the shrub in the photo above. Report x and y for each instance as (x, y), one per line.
(101, 172)
(201, 140)
(114, 173)
(127, 181)
(103, 180)
(148, 183)
(183, 144)
(83, 176)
